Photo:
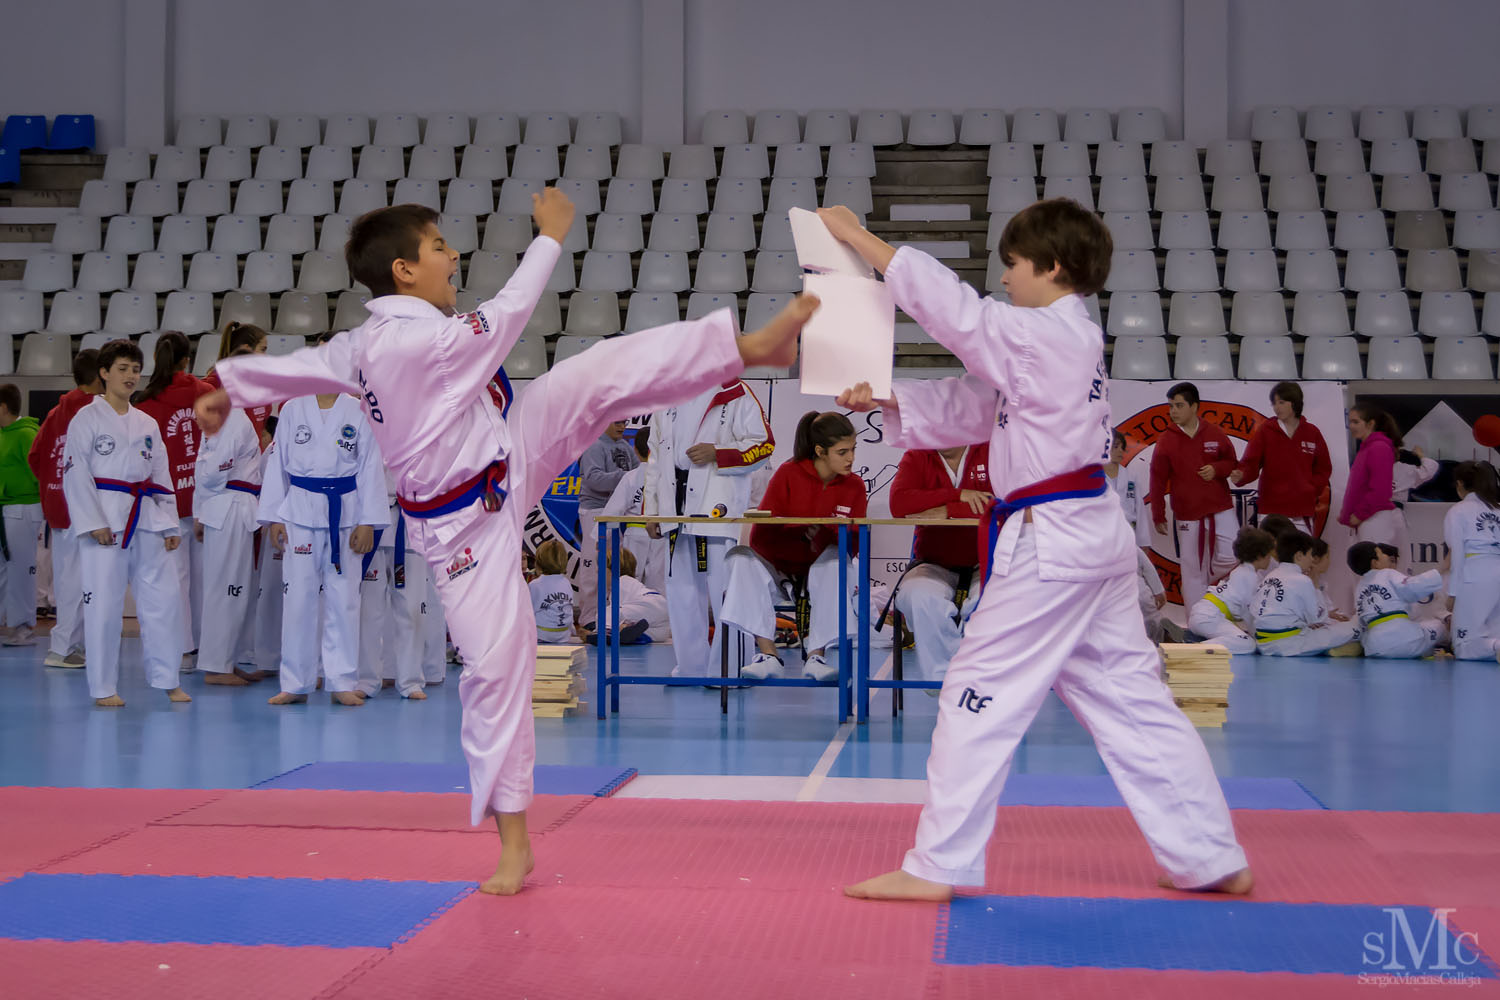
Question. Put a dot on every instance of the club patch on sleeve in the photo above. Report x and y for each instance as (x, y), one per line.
(476, 322)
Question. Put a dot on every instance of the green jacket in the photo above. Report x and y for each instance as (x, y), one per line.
(17, 484)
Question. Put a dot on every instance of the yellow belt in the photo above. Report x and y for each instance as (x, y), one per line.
(1388, 618)
(1214, 600)
(1271, 636)
(546, 628)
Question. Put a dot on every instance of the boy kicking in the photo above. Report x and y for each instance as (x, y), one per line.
(470, 461)
(1058, 608)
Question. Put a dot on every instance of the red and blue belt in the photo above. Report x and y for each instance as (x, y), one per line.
(484, 488)
(239, 485)
(334, 488)
(137, 491)
(1088, 481)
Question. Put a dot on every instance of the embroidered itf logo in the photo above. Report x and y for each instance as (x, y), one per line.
(477, 323)
(974, 701)
(462, 564)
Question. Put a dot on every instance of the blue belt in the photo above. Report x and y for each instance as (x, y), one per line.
(334, 489)
(398, 555)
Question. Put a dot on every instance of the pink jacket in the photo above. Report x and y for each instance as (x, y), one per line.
(1369, 489)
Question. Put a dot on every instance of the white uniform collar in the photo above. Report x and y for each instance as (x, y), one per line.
(404, 306)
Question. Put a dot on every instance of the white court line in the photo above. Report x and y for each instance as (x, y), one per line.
(809, 790)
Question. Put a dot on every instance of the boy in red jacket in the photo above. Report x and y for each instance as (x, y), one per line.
(1291, 460)
(1192, 462)
(951, 483)
(65, 646)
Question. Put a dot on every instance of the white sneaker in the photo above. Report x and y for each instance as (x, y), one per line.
(22, 636)
(764, 665)
(819, 669)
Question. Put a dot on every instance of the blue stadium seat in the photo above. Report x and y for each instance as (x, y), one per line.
(71, 132)
(10, 166)
(23, 132)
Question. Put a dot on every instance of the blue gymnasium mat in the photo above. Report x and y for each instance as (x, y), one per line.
(395, 776)
(1207, 935)
(334, 913)
(1099, 790)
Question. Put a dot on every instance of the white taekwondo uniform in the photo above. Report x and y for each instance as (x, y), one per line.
(227, 475)
(1290, 619)
(1222, 614)
(1472, 531)
(391, 595)
(1383, 599)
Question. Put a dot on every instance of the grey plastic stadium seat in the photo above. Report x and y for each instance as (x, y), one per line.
(593, 314)
(448, 129)
(1196, 314)
(1406, 193)
(190, 312)
(1465, 192)
(350, 310)
(1419, 231)
(184, 234)
(206, 352)
(1140, 358)
(177, 165)
(627, 196)
(1436, 121)
(599, 128)
(663, 272)
(310, 197)
(570, 347)
(761, 306)
(1173, 158)
(584, 194)
(776, 271)
(102, 271)
(548, 128)
(1483, 273)
(213, 272)
(1339, 156)
(730, 231)
(700, 304)
(236, 234)
(397, 129)
(1258, 314)
(1371, 270)
(1088, 125)
(605, 271)
(1360, 231)
(1376, 122)
(48, 272)
(995, 230)
(321, 271)
(74, 312)
(927, 127)
(1130, 271)
(1446, 314)
(650, 309)
(1321, 314)
(792, 192)
(470, 197)
(333, 232)
(45, 354)
(1283, 156)
(246, 307)
(489, 270)
(1269, 121)
(1035, 125)
(636, 161)
(738, 195)
(619, 233)
(1396, 358)
(414, 192)
(1451, 156)
(1294, 193)
(684, 196)
(1079, 189)
(154, 199)
(1229, 156)
(1432, 271)
(994, 275)
(1131, 230)
(227, 163)
(1331, 358)
(1383, 314)
(674, 232)
(1141, 125)
(748, 160)
(483, 163)
(1490, 322)
(102, 198)
(1462, 358)
(851, 192)
(1124, 193)
(1251, 271)
(258, 198)
(432, 163)
(302, 314)
(1312, 271)
(773, 127)
(76, 234)
(1244, 231)
(507, 232)
(1179, 193)
(200, 131)
(301, 131)
(381, 163)
(535, 162)
(278, 163)
(1011, 159)
(333, 163)
(1121, 158)
(564, 277)
(129, 234)
(499, 128)
(877, 126)
(721, 271)
(1477, 230)
(1301, 231)
(157, 273)
(267, 272)
(1267, 359)
(1066, 159)
(127, 163)
(982, 127)
(826, 127)
(1349, 193)
(1241, 193)
(130, 313)
(1203, 358)
(725, 128)
(1135, 314)
(1326, 121)
(688, 162)
(1490, 161)
(205, 197)
(251, 130)
(1011, 194)
(516, 192)
(798, 160)
(283, 343)
(1185, 231)
(527, 358)
(1191, 271)
(1483, 121)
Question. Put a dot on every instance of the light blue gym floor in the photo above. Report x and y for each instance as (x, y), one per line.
(1358, 734)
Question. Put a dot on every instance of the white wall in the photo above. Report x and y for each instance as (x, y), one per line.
(65, 57)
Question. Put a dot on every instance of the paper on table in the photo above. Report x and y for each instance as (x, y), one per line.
(851, 338)
(817, 250)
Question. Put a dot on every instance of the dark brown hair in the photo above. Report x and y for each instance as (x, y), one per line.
(86, 367)
(115, 350)
(1060, 231)
(172, 349)
(1476, 477)
(1383, 421)
(237, 335)
(1292, 544)
(380, 238)
(819, 430)
(1288, 392)
(1252, 544)
(10, 398)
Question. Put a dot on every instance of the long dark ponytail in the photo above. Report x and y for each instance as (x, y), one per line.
(172, 348)
(819, 430)
(1479, 478)
(1383, 421)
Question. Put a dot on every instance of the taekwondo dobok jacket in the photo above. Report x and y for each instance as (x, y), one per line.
(730, 418)
(1234, 594)
(103, 444)
(232, 455)
(323, 444)
(1382, 592)
(1472, 530)
(1287, 599)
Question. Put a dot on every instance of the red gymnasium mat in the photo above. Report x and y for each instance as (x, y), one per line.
(38, 825)
(365, 810)
(75, 970)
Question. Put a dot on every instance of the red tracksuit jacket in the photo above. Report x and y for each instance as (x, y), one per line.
(1294, 471)
(796, 491)
(1174, 469)
(923, 482)
(173, 413)
(46, 456)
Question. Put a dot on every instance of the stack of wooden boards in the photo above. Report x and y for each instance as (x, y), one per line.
(559, 680)
(1199, 674)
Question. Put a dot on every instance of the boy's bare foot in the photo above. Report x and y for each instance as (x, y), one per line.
(417, 695)
(352, 699)
(228, 680)
(286, 698)
(178, 694)
(1238, 884)
(775, 344)
(250, 676)
(113, 701)
(510, 874)
(900, 884)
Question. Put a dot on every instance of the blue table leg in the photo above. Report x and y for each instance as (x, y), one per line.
(862, 682)
(599, 652)
(844, 666)
(614, 597)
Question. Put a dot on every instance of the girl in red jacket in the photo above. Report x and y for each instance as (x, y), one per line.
(816, 483)
(168, 399)
(1368, 507)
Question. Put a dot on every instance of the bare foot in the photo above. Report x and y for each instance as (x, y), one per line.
(510, 874)
(113, 701)
(900, 884)
(250, 676)
(417, 695)
(179, 695)
(388, 683)
(775, 344)
(352, 699)
(227, 680)
(1238, 884)
(287, 698)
